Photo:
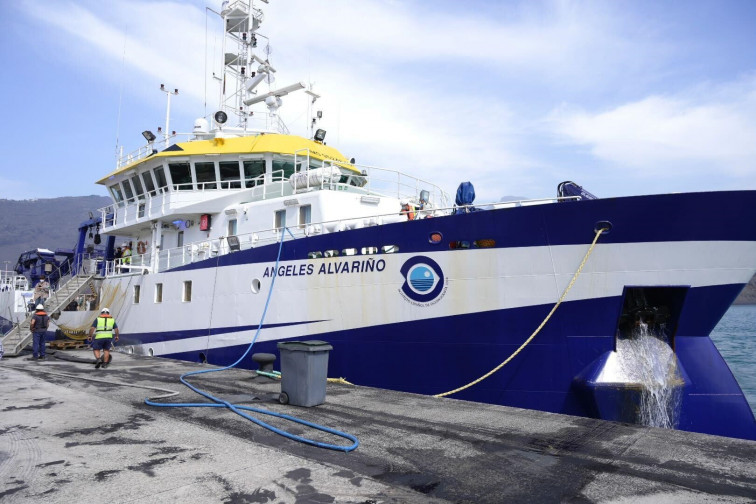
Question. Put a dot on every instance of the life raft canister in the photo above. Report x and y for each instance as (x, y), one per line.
(142, 247)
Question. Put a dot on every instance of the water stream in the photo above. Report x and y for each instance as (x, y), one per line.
(646, 359)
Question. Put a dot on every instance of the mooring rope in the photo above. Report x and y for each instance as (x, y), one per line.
(538, 329)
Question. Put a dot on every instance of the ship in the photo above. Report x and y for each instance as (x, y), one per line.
(243, 231)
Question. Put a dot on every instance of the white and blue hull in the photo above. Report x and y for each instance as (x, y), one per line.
(475, 305)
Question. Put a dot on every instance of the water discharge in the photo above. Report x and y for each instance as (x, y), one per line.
(646, 359)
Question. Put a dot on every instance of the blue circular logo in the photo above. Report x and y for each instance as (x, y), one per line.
(423, 277)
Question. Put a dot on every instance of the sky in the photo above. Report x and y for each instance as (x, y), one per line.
(623, 97)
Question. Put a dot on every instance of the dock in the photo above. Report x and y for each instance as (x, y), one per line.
(73, 433)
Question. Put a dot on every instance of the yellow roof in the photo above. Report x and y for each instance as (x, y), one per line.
(257, 144)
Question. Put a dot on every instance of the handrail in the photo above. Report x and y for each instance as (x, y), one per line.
(214, 247)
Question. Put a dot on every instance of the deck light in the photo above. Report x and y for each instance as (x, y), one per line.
(320, 135)
(220, 117)
(149, 135)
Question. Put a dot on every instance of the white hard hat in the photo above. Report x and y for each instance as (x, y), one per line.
(40, 307)
(105, 310)
(124, 244)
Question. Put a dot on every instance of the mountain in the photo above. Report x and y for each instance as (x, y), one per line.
(43, 223)
(53, 223)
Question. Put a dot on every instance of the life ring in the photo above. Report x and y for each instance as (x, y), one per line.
(142, 247)
(406, 210)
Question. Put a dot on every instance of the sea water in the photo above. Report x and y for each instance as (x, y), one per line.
(735, 338)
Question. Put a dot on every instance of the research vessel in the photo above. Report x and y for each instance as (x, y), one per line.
(415, 290)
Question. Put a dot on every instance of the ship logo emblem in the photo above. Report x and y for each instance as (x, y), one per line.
(424, 280)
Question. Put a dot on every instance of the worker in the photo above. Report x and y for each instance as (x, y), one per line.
(104, 330)
(39, 323)
(41, 291)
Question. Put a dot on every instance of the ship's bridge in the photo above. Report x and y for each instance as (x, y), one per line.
(205, 176)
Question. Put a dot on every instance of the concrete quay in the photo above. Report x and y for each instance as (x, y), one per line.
(73, 433)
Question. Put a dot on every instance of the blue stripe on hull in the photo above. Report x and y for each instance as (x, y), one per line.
(434, 356)
(658, 218)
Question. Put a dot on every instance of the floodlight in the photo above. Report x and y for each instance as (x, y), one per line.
(220, 117)
(320, 135)
(149, 135)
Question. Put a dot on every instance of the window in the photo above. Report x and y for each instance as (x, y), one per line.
(187, 296)
(180, 239)
(254, 169)
(283, 167)
(138, 186)
(181, 175)
(160, 177)
(115, 190)
(389, 249)
(127, 190)
(205, 176)
(229, 174)
(159, 293)
(232, 230)
(136, 294)
(305, 215)
(280, 219)
(148, 183)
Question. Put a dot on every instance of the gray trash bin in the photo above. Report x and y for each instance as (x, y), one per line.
(304, 372)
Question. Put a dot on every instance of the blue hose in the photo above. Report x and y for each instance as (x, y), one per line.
(220, 403)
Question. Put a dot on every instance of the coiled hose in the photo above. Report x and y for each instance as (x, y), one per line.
(240, 410)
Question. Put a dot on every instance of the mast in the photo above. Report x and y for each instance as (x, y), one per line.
(244, 70)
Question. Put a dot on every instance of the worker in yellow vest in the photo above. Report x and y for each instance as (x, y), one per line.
(104, 330)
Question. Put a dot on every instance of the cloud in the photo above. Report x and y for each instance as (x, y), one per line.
(698, 131)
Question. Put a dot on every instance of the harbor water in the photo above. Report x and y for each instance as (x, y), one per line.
(735, 338)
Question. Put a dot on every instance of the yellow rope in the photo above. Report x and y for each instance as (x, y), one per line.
(339, 380)
(564, 294)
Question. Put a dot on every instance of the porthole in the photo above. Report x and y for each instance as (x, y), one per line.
(435, 237)
(202, 358)
(389, 249)
(349, 252)
(256, 284)
(314, 255)
(330, 253)
(151, 352)
(369, 250)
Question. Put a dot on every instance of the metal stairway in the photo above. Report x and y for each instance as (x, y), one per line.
(20, 336)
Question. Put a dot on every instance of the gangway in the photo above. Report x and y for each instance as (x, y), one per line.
(17, 338)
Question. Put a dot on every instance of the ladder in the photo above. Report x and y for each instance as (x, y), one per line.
(17, 338)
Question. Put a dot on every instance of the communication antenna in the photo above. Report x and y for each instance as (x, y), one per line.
(169, 93)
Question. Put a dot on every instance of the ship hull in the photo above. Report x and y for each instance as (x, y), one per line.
(461, 293)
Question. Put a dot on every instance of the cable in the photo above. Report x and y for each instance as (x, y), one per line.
(221, 403)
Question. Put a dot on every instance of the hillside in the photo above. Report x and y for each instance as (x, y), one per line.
(53, 223)
(42, 223)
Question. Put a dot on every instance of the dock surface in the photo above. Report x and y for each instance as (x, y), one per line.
(73, 433)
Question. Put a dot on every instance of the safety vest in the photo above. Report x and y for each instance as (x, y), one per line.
(126, 256)
(104, 327)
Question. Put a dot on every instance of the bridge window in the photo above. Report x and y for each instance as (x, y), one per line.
(283, 167)
(115, 190)
(138, 186)
(230, 175)
(148, 183)
(127, 190)
(206, 178)
(181, 175)
(254, 171)
(160, 178)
